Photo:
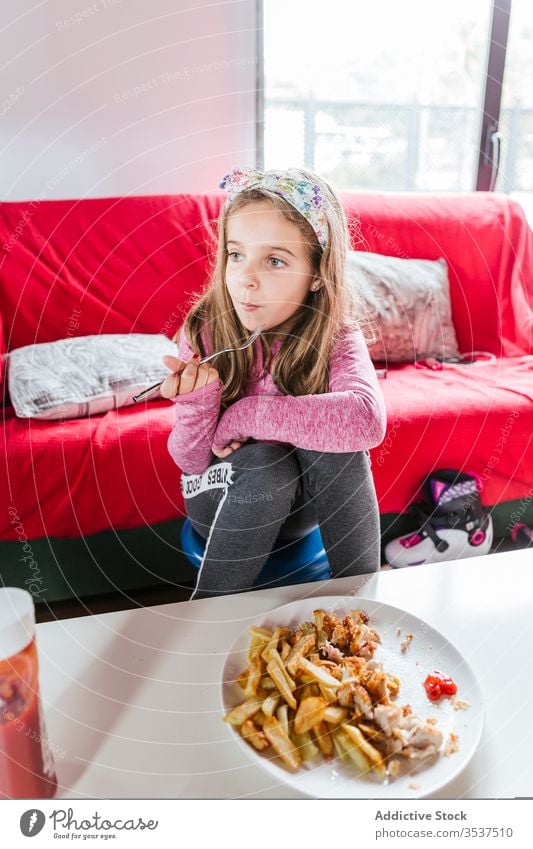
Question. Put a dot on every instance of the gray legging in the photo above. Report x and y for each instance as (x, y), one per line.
(264, 493)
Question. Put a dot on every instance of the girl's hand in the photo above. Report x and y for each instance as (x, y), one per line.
(186, 376)
(229, 449)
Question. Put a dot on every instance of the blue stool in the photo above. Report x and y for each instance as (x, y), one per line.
(301, 560)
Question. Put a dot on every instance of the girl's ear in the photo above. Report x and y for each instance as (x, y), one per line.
(316, 284)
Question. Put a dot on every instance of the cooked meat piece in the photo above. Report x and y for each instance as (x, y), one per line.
(377, 686)
(360, 616)
(329, 624)
(388, 717)
(354, 665)
(393, 683)
(345, 693)
(395, 743)
(340, 636)
(331, 652)
(423, 742)
(362, 701)
(369, 645)
(333, 668)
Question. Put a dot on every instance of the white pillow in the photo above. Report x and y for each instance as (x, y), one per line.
(409, 300)
(85, 375)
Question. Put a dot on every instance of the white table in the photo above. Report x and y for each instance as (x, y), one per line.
(133, 697)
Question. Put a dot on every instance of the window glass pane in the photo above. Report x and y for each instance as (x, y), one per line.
(376, 96)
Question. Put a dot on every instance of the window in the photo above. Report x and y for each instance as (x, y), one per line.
(390, 96)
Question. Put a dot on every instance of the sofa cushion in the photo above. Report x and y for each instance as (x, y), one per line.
(85, 375)
(409, 301)
(79, 476)
(477, 418)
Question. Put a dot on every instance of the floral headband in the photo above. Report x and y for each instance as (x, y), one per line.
(305, 196)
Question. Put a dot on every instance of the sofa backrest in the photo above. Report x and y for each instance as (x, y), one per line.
(110, 265)
(487, 244)
(118, 265)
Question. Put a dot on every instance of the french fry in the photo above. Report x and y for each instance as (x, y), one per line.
(259, 638)
(262, 633)
(369, 751)
(352, 751)
(301, 647)
(254, 736)
(310, 712)
(276, 658)
(243, 711)
(319, 674)
(277, 635)
(370, 732)
(323, 739)
(328, 693)
(359, 738)
(339, 749)
(281, 743)
(267, 683)
(309, 690)
(305, 745)
(255, 670)
(270, 704)
(282, 714)
(243, 678)
(285, 650)
(255, 648)
(334, 715)
(280, 681)
(304, 678)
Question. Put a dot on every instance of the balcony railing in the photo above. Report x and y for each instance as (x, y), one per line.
(398, 147)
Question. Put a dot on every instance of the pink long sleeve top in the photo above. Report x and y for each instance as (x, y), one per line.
(350, 417)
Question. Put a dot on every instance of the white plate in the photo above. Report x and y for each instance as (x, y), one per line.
(428, 650)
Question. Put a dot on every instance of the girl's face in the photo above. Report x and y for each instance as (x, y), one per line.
(266, 266)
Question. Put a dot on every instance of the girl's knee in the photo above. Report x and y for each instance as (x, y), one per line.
(271, 464)
(262, 455)
(325, 469)
(333, 463)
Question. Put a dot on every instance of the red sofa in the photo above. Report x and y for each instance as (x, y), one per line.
(120, 265)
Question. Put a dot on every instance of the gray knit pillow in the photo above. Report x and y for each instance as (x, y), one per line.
(409, 300)
(85, 375)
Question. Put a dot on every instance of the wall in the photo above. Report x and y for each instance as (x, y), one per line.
(125, 97)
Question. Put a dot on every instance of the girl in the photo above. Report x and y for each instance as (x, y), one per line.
(275, 438)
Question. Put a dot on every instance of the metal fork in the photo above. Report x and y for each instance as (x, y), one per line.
(152, 389)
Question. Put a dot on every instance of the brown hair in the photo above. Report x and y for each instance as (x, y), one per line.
(301, 366)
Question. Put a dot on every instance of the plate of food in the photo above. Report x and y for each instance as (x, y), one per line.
(343, 697)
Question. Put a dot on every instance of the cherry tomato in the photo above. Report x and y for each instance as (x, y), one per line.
(437, 684)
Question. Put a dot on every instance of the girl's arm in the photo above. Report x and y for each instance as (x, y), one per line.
(350, 417)
(197, 413)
